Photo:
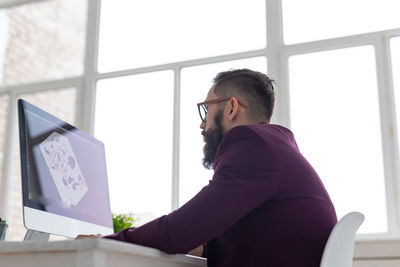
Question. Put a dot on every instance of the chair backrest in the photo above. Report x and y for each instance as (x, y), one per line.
(339, 248)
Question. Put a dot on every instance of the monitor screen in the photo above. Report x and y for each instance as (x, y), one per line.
(64, 176)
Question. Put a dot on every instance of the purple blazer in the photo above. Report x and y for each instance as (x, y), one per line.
(265, 206)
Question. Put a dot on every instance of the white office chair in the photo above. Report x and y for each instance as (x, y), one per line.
(339, 248)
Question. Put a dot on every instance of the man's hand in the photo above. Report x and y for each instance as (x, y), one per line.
(88, 236)
(197, 251)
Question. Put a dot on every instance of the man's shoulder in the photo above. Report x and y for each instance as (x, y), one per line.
(240, 134)
(261, 130)
(250, 134)
(267, 136)
(246, 145)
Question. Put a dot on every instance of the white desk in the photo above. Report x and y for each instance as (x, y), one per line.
(89, 253)
(107, 253)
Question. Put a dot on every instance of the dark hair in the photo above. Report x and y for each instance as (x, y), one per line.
(255, 87)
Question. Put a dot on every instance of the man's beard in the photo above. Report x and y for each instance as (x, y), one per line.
(212, 139)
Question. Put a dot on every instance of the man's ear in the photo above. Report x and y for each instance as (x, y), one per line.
(233, 108)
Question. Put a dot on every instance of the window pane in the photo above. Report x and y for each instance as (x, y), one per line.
(395, 51)
(143, 33)
(60, 103)
(335, 118)
(134, 119)
(4, 99)
(42, 41)
(310, 20)
(196, 81)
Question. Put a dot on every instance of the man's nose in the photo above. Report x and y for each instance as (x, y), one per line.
(202, 125)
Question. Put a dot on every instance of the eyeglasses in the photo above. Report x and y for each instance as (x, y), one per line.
(203, 108)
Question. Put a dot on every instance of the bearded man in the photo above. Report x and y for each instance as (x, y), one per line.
(265, 205)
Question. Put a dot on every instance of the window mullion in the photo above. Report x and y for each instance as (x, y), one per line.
(87, 90)
(40, 86)
(389, 132)
(176, 140)
(277, 68)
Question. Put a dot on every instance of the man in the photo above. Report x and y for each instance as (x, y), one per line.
(265, 205)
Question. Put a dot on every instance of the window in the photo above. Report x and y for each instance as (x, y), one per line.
(40, 42)
(131, 73)
(161, 32)
(55, 32)
(310, 20)
(335, 116)
(138, 141)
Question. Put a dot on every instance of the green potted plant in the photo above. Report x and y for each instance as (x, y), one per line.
(123, 221)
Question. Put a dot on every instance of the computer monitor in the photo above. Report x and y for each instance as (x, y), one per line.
(64, 176)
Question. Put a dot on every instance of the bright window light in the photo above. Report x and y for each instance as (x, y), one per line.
(310, 20)
(152, 32)
(134, 119)
(335, 118)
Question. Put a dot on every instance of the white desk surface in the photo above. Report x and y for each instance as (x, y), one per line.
(89, 253)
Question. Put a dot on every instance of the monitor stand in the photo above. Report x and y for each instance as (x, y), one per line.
(33, 235)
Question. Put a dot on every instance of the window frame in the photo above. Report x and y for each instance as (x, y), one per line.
(277, 54)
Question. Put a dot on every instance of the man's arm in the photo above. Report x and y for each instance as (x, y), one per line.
(245, 177)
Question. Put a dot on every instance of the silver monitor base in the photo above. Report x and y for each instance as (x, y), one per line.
(33, 235)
